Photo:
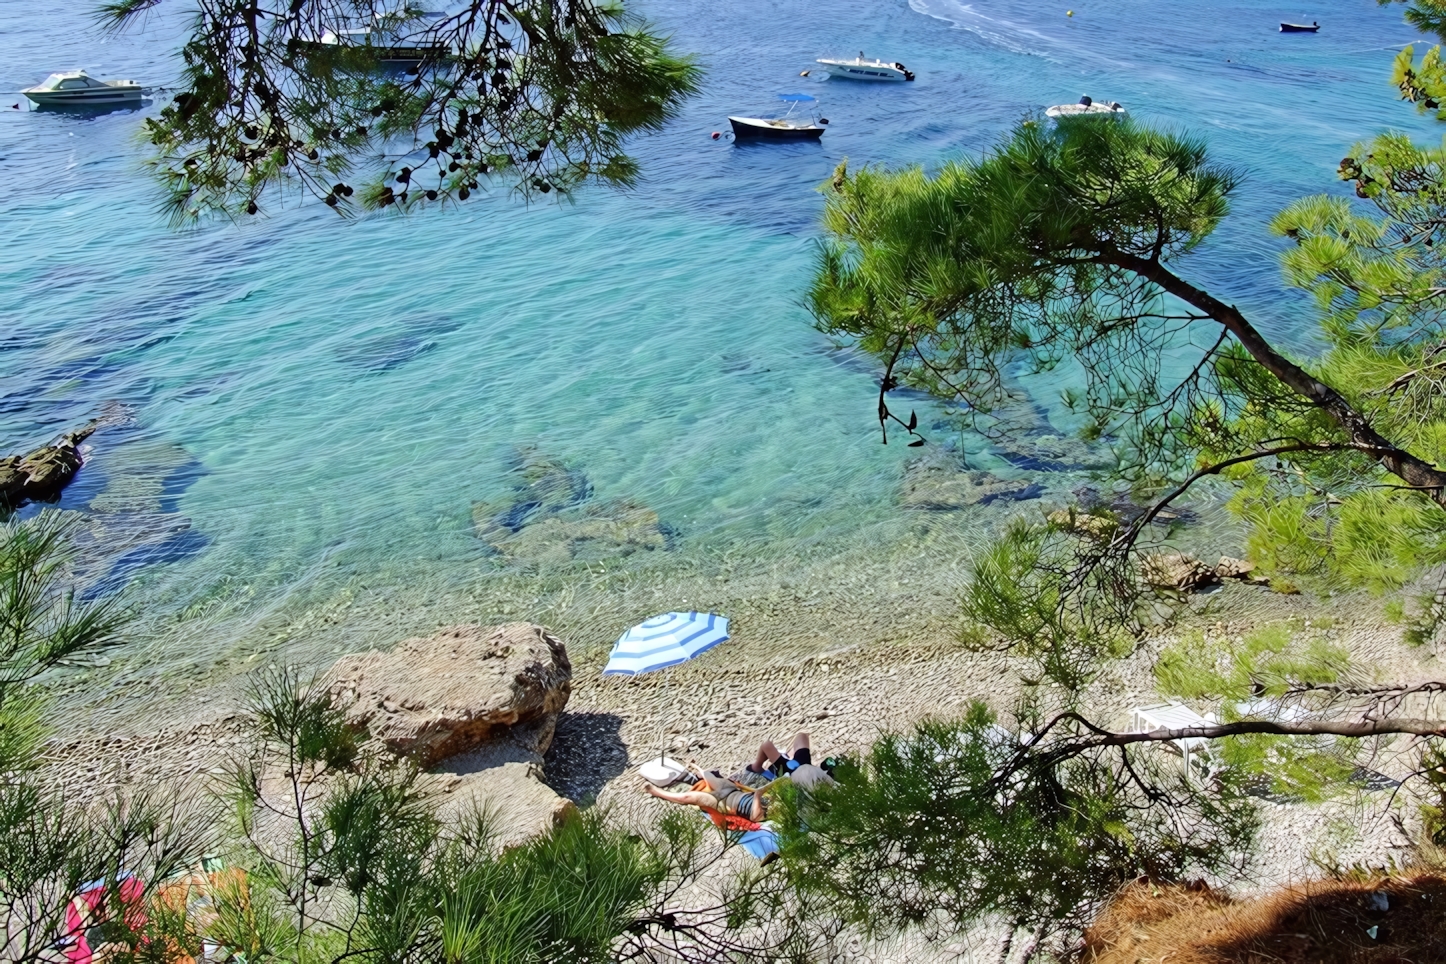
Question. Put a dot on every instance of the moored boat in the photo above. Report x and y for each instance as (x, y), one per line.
(78, 87)
(1087, 107)
(860, 68)
(1299, 27)
(775, 128)
(403, 38)
(785, 128)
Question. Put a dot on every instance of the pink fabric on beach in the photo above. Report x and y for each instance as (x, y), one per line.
(79, 950)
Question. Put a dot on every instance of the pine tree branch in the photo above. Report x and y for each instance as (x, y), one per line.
(1356, 730)
(1362, 435)
(1129, 536)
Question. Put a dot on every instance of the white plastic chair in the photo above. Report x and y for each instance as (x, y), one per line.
(1176, 716)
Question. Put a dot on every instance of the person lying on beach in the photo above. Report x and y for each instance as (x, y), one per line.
(722, 796)
(741, 794)
(797, 765)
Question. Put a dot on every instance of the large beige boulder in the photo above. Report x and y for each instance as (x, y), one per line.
(459, 689)
(1176, 570)
(510, 791)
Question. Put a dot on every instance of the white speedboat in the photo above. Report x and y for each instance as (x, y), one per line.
(404, 38)
(1086, 108)
(78, 87)
(861, 68)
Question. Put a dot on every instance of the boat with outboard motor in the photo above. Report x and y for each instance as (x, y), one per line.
(785, 128)
(861, 68)
(1087, 107)
(78, 87)
(1299, 27)
(404, 37)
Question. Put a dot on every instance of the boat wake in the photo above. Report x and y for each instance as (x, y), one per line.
(1012, 36)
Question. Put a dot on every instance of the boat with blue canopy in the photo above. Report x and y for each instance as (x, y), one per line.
(785, 128)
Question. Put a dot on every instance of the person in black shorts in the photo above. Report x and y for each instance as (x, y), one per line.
(771, 763)
(772, 760)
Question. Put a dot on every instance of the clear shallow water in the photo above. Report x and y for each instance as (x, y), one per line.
(342, 393)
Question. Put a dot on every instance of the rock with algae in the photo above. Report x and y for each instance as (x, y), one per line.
(940, 481)
(549, 519)
(40, 475)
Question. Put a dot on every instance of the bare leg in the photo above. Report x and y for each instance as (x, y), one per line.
(687, 798)
(800, 742)
(767, 754)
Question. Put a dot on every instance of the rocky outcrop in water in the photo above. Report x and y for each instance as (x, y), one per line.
(940, 481)
(40, 475)
(479, 704)
(550, 518)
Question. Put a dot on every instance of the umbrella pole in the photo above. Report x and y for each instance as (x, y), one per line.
(662, 719)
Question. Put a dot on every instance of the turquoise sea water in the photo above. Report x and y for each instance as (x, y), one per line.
(326, 400)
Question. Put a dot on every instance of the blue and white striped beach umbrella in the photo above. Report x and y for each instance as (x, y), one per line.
(666, 640)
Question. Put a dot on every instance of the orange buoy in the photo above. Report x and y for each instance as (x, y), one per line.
(716, 135)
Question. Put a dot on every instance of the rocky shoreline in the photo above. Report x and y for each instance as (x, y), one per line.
(584, 734)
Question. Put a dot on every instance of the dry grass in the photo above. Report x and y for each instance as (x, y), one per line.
(1320, 922)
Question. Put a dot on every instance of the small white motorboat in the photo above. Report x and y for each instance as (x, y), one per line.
(78, 87)
(861, 68)
(1086, 107)
(395, 39)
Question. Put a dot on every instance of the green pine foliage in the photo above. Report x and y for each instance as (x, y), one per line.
(1022, 591)
(956, 824)
(989, 264)
(535, 96)
(1269, 662)
(1376, 278)
(50, 848)
(1278, 665)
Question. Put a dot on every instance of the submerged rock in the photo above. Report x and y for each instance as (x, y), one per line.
(1125, 508)
(613, 528)
(1047, 451)
(1095, 525)
(939, 481)
(548, 518)
(132, 522)
(548, 485)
